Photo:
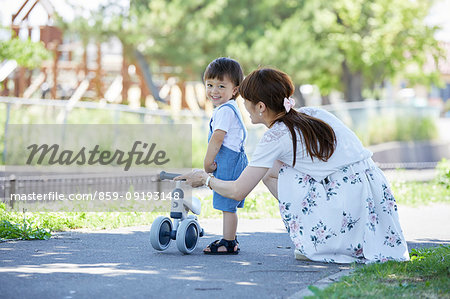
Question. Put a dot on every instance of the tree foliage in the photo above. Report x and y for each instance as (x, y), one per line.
(25, 52)
(344, 45)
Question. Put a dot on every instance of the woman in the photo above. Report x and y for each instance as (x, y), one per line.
(335, 202)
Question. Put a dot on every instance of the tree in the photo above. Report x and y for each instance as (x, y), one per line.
(348, 45)
(25, 52)
(351, 45)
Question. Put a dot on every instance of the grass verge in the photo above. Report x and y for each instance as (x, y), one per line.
(427, 275)
(257, 205)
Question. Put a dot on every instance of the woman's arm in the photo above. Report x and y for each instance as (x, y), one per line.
(271, 178)
(236, 190)
(214, 145)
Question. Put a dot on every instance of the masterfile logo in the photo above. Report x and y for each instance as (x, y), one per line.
(107, 168)
(84, 156)
(125, 147)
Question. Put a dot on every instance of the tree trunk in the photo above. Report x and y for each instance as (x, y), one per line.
(299, 96)
(326, 100)
(126, 81)
(352, 82)
(99, 73)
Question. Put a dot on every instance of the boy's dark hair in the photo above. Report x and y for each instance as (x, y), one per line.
(221, 67)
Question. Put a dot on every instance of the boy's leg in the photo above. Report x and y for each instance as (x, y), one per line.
(230, 222)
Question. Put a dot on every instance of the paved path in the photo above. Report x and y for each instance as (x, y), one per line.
(122, 264)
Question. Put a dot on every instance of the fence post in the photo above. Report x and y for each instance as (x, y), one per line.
(12, 190)
(8, 108)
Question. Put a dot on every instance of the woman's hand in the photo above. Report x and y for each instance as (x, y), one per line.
(195, 178)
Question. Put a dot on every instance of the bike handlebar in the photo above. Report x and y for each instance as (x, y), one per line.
(167, 175)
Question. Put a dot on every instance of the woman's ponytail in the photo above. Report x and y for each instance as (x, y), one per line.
(274, 88)
(318, 138)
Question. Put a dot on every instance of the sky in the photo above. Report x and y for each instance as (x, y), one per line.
(439, 14)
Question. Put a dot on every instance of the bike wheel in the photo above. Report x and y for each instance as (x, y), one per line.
(188, 234)
(160, 233)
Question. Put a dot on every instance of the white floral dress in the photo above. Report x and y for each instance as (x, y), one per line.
(338, 211)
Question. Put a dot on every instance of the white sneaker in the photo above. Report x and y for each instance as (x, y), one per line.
(299, 256)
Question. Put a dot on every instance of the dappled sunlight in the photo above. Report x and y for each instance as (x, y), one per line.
(195, 278)
(318, 266)
(6, 249)
(246, 283)
(7, 261)
(108, 269)
(41, 254)
(188, 272)
(242, 263)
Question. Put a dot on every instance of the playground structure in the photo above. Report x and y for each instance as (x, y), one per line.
(78, 71)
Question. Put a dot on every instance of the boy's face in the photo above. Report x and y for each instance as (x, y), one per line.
(220, 91)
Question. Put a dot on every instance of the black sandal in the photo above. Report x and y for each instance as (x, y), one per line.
(229, 245)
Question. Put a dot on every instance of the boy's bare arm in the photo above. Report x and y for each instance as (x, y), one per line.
(213, 148)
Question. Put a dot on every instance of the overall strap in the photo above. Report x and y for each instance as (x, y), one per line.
(238, 114)
(210, 130)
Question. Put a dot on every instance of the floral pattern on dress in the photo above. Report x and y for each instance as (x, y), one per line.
(316, 232)
(330, 261)
(296, 226)
(298, 245)
(331, 188)
(356, 251)
(321, 233)
(369, 173)
(291, 221)
(347, 222)
(304, 180)
(353, 179)
(285, 216)
(388, 201)
(295, 230)
(392, 238)
(310, 200)
(373, 217)
(379, 258)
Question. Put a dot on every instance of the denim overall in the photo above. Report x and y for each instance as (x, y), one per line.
(230, 165)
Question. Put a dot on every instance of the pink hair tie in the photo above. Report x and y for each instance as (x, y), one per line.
(288, 104)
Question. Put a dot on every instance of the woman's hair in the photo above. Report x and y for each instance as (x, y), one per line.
(225, 67)
(271, 86)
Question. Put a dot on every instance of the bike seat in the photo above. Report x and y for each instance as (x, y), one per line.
(194, 204)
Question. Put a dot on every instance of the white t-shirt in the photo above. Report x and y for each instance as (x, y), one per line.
(276, 144)
(225, 119)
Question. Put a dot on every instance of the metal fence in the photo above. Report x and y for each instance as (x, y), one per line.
(355, 115)
(24, 184)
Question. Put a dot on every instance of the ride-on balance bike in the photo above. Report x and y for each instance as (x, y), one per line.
(185, 228)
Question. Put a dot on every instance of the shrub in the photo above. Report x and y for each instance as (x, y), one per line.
(443, 173)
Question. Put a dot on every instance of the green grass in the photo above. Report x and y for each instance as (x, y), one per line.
(427, 275)
(39, 225)
(388, 128)
(257, 205)
(25, 230)
(424, 193)
(420, 193)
